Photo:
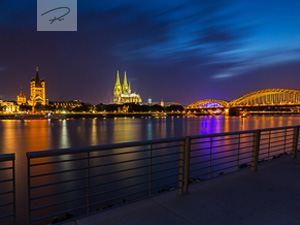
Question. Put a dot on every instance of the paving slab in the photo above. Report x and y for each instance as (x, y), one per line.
(213, 207)
(144, 212)
(269, 196)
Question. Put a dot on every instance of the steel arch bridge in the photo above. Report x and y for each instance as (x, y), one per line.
(268, 97)
(265, 97)
(208, 103)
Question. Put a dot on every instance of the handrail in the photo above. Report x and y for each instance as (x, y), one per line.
(55, 152)
(238, 132)
(221, 134)
(7, 157)
(278, 128)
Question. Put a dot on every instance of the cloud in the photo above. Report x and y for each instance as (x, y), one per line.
(187, 31)
(260, 59)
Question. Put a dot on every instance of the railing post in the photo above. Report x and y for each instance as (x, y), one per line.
(28, 189)
(88, 184)
(181, 167)
(238, 153)
(210, 149)
(150, 171)
(295, 142)
(14, 189)
(284, 141)
(269, 145)
(187, 163)
(255, 150)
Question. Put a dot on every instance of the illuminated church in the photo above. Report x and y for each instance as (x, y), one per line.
(123, 94)
(37, 91)
(21, 98)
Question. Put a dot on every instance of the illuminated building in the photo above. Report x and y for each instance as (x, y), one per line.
(65, 104)
(37, 91)
(10, 107)
(123, 94)
(149, 100)
(21, 98)
(162, 103)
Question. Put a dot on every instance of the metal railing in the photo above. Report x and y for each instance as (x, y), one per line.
(212, 155)
(215, 154)
(7, 187)
(70, 183)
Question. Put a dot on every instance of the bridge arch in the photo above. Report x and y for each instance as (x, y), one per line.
(274, 96)
(208, 103)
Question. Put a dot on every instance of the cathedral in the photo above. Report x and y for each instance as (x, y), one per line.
(123, 94)
(21, 98)
(37, 91)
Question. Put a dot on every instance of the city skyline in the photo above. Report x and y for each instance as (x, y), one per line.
(179, 52)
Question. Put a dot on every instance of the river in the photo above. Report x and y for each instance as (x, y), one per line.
(21, 136)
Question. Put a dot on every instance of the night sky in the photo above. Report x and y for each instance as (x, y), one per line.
(180, 51)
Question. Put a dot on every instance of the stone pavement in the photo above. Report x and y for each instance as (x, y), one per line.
(270, 196)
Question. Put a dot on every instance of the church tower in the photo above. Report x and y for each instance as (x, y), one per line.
(37, 90)
(117, 90)
(125, 85)
(21, 98)
(129, 89)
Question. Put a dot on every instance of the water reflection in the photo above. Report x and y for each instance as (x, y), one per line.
(65, 143)
(94, 133)
(149, 129)
(102, 132)
(36, 135)
(32, 135)
(9, 129)
(213, 124)
(126, 129)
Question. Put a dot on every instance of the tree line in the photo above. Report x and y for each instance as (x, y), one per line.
(86, 107)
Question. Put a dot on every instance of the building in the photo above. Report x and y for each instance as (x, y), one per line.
(10, 107)
(67, 104)
(150, 100)
(21, 98)
(37, 91)
(123, 94)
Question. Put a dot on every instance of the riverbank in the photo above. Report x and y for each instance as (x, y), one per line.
(141, 115)
(101, 115)
(238, 198)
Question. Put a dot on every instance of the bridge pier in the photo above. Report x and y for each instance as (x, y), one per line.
(226, 109)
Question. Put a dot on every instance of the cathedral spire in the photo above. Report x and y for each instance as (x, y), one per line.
(125, 84)
(129, 89)
(37, 78)
(117, 89)
(21, 93)
(118, 78)
(125, 79)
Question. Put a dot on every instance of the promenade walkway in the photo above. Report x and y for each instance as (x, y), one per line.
(270, 196)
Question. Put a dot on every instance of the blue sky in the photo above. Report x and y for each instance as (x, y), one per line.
(179, 51)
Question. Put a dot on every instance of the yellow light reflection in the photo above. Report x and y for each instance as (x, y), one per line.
(64, 139)
(94, 134)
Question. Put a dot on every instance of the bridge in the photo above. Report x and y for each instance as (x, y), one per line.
(209, 103)
(259, 101)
